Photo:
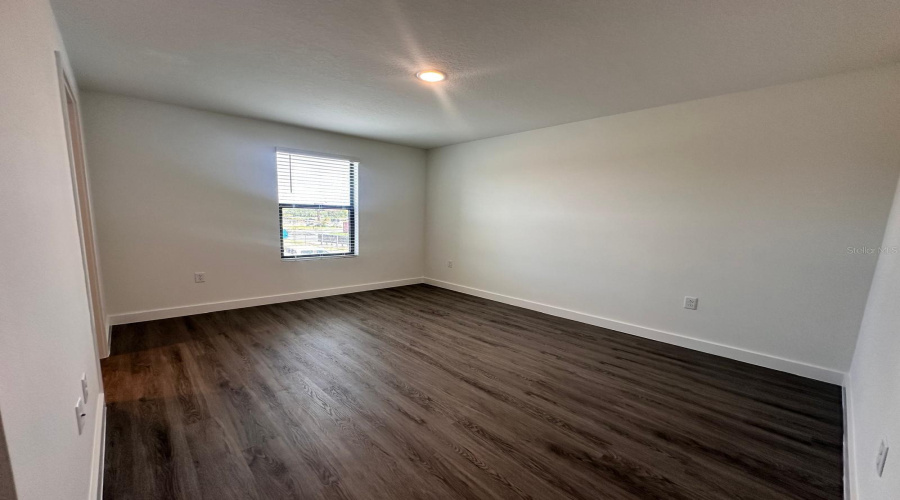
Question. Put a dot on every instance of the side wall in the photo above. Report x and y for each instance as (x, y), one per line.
(46, 341)
(748, 201)
(873, 387)
(176, 191)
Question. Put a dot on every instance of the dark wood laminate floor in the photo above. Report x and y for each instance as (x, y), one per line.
(420, 392)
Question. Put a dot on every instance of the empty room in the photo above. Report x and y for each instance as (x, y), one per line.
(422, 249)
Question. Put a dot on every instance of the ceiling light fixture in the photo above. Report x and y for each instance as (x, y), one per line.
(431, 75)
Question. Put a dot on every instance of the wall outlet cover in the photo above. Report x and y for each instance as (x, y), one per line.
(80, 415)
(690, 302)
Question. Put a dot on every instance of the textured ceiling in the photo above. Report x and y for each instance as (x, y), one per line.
(347, 66)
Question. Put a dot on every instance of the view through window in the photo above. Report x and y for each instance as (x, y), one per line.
(316, 205)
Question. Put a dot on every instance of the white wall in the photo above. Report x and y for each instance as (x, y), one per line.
(176, 190)
(873, 387)
(748, 201)
(45, 333)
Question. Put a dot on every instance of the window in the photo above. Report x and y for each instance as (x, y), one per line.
(316, 205)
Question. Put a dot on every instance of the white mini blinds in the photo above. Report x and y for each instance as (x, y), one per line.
(316, 205)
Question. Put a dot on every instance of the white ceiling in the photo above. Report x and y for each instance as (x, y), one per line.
(347, 66)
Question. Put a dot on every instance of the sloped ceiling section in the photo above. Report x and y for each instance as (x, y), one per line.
(347, 66)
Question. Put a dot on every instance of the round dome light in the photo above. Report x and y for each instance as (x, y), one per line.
(431, 75)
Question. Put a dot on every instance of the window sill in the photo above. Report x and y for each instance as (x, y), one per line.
(316, 257)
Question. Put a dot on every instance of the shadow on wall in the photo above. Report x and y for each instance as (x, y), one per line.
(7, 488)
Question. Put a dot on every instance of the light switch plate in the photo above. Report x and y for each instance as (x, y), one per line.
(84, 387)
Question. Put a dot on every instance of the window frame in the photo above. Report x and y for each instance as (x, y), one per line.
(353, 208)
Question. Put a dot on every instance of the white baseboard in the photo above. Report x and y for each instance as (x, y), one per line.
(756, 358)
(747, 356)
(850, 469)
(99, 450)
(174, 312)
(108, 346)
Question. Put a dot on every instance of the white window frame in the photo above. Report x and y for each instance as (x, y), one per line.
(353, 207)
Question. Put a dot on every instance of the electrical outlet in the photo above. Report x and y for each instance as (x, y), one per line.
(80, 415)
(84, 387)
(450, 264)
(882, 458)
(690, 302)
(199, 277)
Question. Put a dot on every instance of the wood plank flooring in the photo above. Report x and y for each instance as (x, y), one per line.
(421, 392)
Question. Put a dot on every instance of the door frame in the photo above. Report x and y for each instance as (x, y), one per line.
(83, 212)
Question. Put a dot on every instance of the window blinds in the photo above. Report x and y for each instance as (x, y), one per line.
(316, 204)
